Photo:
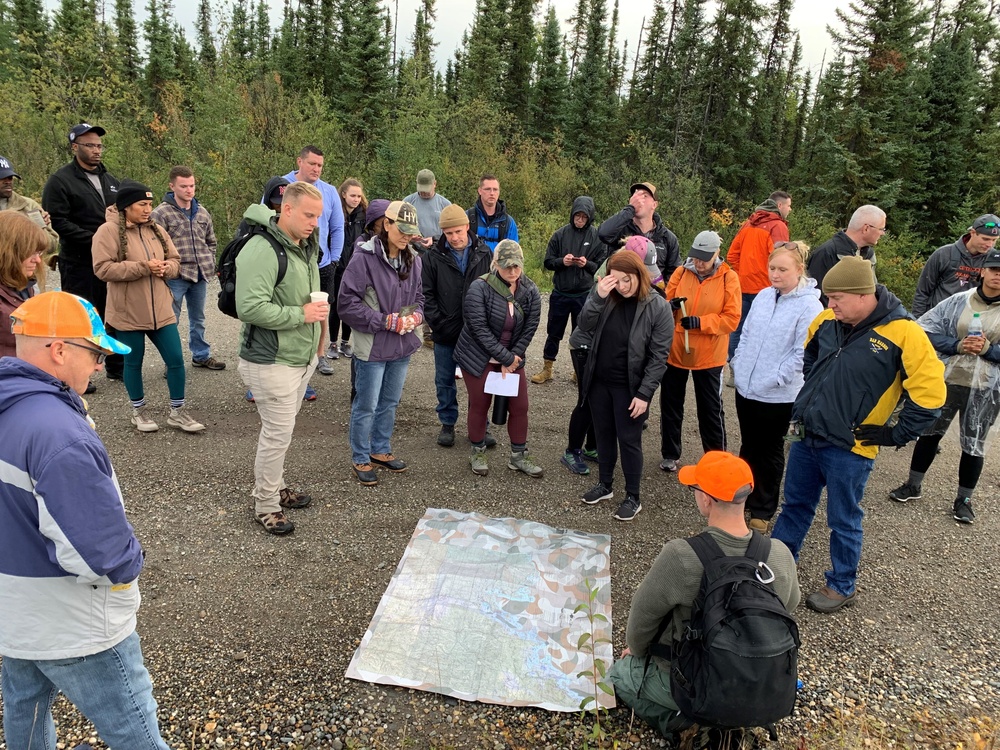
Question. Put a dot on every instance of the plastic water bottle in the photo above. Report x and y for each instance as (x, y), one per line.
(976, 325)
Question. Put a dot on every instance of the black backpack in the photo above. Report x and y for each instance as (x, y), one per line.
(736, 663)
(227, 266)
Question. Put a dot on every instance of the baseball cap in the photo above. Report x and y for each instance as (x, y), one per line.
(508, 254)
(646, 250)
(404, 215)
(721, 475)
(7, 169)
(987, 224)
(85, 127)
(992, 259)
(61, 315)
(425, 179)
(705, 245)
(649, 187)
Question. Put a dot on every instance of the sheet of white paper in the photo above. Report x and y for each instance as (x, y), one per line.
(501, 386)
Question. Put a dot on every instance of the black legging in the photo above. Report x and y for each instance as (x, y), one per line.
(581, 424)
(969, 467)
(616, 430)
(334, 290)
(762, 445)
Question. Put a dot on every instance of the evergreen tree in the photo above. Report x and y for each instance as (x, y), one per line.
(239, 41)
(521, 50)
(286, 58)
(482, 71)
(128, 40)
(642, 90)
(329, 47)
(260, 36)
(158, 30)
(206, 38)
(589, 126)
(26, 23)
(578, 34)
(678, 108)
(362, 99)
(548, 96)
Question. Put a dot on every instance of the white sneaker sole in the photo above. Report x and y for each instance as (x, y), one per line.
(196, 427)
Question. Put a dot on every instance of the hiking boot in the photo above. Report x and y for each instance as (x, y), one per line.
(670, 464)
(91, 388)
(310, 394)
(905, 493)
(827, 601)
(446, 438)
(628, 509)
(963, 510)
(388, 461)
(595, 494)
(180, 419)
(346, 350)
(478, 461)
(590, 455)
(573, 460)
(365, 474)
(289, 498)
(332, 352)
(275, 523)
(759, 524)
(210, 363)
(324, 367)
(544, 375)
(142, 421)
(523, 462)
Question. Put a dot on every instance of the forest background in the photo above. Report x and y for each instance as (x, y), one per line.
(713, 105)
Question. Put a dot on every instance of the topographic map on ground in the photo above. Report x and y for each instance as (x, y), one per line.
(481, 609)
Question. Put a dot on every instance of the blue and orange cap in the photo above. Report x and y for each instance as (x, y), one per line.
(60, 315)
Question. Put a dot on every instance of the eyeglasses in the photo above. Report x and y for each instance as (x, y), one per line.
(94, 146)
(98, 354)
(880, 230)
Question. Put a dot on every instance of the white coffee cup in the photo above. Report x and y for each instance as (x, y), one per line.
(323, 297)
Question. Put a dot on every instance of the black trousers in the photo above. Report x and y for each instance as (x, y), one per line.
(581, 424)
(561, 310)
(329, 281)
(616, 430)
(708, 398)
(79, 279)
(762, 431)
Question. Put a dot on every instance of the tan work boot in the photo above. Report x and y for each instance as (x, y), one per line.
(545, 375)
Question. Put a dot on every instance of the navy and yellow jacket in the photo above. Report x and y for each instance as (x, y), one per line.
(855, 375)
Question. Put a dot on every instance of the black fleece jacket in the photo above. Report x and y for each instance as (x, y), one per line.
(77, 208)
(575, 281)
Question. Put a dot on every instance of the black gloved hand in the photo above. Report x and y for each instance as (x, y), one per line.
(873, 434)
(691, 321)
(675, 303)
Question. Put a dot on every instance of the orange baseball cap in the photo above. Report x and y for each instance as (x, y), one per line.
(60, 315)
(721, 475)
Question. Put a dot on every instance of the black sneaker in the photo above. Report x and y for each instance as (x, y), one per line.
(595, 494)
(905, 493)
(963, 512)
(446, 438)
(628, 509)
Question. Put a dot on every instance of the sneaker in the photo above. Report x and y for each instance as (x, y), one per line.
(573, 460)
(523, 462)
(628, 509)
(905, 493)
(180, 419)
(478, 461)
(590, 455)
(142, 420)
(310, 394)
(289, 498)
(275, 523)
(332, 352)
(758, 524)
(446, 438)
(346, 350)
(963, 512)
(595, 494)
(91, 388)
(827, 601)
(388, 461)
(365, 474)
(211, 363)
(491, 442)
(250, 398)
(670, 464)
(324, 367)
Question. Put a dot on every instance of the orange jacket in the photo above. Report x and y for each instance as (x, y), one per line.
(717, 303)
(752, 246)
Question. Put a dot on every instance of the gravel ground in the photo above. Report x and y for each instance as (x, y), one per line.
(247, 636)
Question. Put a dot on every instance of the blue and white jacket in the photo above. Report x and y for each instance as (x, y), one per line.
(767, 365)
(69, 559)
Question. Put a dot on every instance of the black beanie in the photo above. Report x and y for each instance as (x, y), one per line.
(132, 192)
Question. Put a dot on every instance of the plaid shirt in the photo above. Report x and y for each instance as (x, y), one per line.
(193, 236)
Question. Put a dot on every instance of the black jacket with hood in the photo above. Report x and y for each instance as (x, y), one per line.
(574, 281)
(445, 287)
(354, 227)
(615, 230)
(77, 208)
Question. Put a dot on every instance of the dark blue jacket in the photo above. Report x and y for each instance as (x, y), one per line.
(500, 226)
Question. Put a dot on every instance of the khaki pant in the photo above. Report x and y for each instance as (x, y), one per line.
(278, 392)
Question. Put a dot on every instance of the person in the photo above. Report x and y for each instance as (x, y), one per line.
(489, 215)
(750, 252)
(382, 300)
(331, 231)
(630, 329)
(355, 205)
(574, 254)
(721, 483)
(135, 258)
(279, 339)
(705, 296)
(640, 217)
(972, 375)
(70, 561)
(956, 267)
(862, 353)
(77, 196)
(11, 200)
(189, 225)
(767, 367)
(429, 205)
(450, 267)
(864, 230)
(500, 317)
(22, 243)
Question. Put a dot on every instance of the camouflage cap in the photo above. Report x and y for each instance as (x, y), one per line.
(508, 254)
(405, 217)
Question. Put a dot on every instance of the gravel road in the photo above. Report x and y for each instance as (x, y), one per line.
(247, 636)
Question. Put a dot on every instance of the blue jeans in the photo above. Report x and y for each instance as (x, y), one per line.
(195, 292)
(844, 474)
(734, 337)
(373, 412)
(444, 382)
(111, 688)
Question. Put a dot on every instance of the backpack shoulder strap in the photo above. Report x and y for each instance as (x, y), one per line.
(759, 548)
(278, 251)
(706, 548)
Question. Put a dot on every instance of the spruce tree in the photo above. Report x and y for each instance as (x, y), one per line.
(206, 37)
(128, 40)
(239, 40)
(521, 49)
(482, 71)
(364, 87)
(159, 33)
(642, 90)
(548, 96)
(589, 126)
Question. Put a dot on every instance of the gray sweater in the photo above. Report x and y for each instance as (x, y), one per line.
(950, 269)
